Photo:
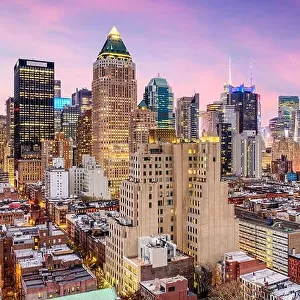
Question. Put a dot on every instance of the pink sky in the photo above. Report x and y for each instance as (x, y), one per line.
(187, 42)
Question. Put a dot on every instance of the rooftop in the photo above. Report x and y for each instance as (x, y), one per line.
(264, 276)
(104, 294)
(114, 46)
(157, 286)
(239, 256)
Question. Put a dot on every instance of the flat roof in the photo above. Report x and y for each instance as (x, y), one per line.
(239, 256)
(288, 291)
(263, 276)
(103, 294)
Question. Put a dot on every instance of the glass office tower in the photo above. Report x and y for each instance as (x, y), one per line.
(33, 104)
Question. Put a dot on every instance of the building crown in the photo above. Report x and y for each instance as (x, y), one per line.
(114, 46)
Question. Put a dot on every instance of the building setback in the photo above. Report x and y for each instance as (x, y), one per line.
(173, 189)
(114, 98)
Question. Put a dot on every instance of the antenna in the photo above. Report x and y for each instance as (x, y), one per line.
(251, 74)
(229, 71)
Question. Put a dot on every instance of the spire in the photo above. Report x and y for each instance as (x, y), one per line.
(114, 47)
(229, 71)
(251, 74)
(114, 34)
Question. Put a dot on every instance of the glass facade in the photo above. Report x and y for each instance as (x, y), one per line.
(69, 119)
(246, 103)
(287, 109)
(59, 102)
(57, 88)
(83, 98)
(33, 104)
(159, 98)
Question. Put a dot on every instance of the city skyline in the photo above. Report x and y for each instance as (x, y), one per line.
(187, 43)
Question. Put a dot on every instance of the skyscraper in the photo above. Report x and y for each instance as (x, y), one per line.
(83, 98)
(10, 124)
(57, 88)
(69, 118)
(114, 98)
(59, 147)
(59, 104)
(142, 120)
(83, 136)
(33, 104)
(246, 103)
(159, 98)
(287, 109)
(187, 117)
(173, 189)
(247, 154)
(3, 141)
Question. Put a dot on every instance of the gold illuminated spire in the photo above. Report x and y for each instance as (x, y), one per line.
(114, 34)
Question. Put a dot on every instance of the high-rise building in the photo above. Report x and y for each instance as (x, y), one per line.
(69, 119)
(142, 120)
(3, 141)
(89, 179)
(173, 189)
(225, 133)
(59, 104)
(287, 108)
(10, 124)
(276, 126)
(246, 102)
(57, 88)
(247, 154)
(57, 180)
(187, 117)
(159, 98)
(29, 171)
(83, 136)
(58, 147)
(83, 98)
(208, 121)
(33, 104)
(114, 98)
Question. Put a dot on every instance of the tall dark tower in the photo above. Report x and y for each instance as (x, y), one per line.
(33, 105)
(246, 102)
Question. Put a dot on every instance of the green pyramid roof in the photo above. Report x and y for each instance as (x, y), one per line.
(114, 46)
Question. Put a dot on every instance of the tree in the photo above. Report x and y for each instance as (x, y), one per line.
(203, 277)
(227, 291)
(134, 296)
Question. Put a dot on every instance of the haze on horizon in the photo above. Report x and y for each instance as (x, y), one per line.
(187, 42)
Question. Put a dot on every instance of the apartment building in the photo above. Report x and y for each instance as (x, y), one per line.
(270, 241)
(173, 189)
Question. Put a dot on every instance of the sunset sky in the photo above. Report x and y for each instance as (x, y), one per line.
(188, 42)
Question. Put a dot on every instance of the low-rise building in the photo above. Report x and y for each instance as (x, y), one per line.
(88, 232)
(8, 192)
(172, 288)
(294, 267)
(157, 257)
(52, 273)
(239, 263)
(268, 285)
(10, 216)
